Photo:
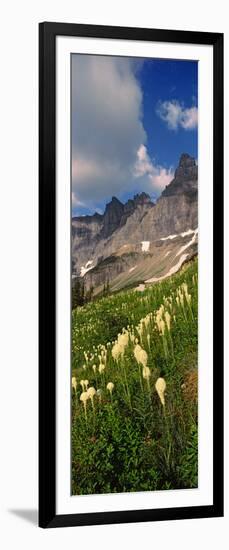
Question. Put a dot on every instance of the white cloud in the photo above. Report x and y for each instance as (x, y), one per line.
(176, 115)
(109, 155)
(155, 176)
(106, 125)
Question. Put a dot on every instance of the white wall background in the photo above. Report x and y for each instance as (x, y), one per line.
(18, 271)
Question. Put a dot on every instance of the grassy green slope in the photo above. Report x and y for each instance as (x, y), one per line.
(127, 439)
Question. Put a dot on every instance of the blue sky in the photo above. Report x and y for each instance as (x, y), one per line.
(131, 120)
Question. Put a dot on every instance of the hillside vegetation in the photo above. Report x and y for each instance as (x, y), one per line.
(134, 389)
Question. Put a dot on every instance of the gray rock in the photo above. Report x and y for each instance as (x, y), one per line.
(110, 242)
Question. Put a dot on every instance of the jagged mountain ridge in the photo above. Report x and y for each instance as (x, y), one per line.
(107, 246)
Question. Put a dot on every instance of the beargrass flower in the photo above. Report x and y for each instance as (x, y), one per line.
(84, 398)
(140, 355)
(101, 368)
(146, 373)
(161, 327)
(110, 386)
(74, 383)
(160, 387)
(91, 392)
(168, 319)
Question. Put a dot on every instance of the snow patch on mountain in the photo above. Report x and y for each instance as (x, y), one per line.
(145, 246)
(172, 270)
(183, 248)
(169, 237)
(85, 268)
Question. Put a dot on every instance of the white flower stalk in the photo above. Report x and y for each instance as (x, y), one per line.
(91, 392)
(94, 368)
(110, 386)
(116, 352)
(160, 387)
(74, 383)
(146, 373)
(84, 398)
(185, 289)
(140, 355)
(101, 368)
(161, 327)
(118, 349)
(82, 384)
(86, 383)
(168, 320)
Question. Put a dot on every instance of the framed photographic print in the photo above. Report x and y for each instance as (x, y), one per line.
(131, 275)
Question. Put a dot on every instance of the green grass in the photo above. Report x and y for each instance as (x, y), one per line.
(128, 440)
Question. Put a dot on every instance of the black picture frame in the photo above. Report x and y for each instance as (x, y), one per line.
(47, 273)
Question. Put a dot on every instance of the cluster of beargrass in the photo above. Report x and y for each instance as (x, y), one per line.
(134, 389)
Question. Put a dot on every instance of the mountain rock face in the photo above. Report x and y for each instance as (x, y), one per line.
(130, 241)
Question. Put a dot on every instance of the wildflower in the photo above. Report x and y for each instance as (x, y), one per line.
(101, 368)
(140, 355)
(82, 384)
(117, 350)
(160, 389)
(123, 339)
(189, 299)
(110, 387)
(168, 319)
(91, 392)
(84, 367)
(84, 398)
(185, 289)
(94, 368)
(161, 327)
(146, 373)
(74, 383)
(86, 383)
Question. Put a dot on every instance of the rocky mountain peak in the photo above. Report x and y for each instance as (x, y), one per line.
(141, 198)
(187, 168)
(185, 177)
(112, 216)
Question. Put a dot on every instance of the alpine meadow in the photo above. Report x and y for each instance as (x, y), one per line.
(134, 372)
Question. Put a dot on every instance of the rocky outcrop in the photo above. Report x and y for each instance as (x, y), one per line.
(104, 246)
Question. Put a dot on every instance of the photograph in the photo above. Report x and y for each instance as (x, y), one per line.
(134, 274)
